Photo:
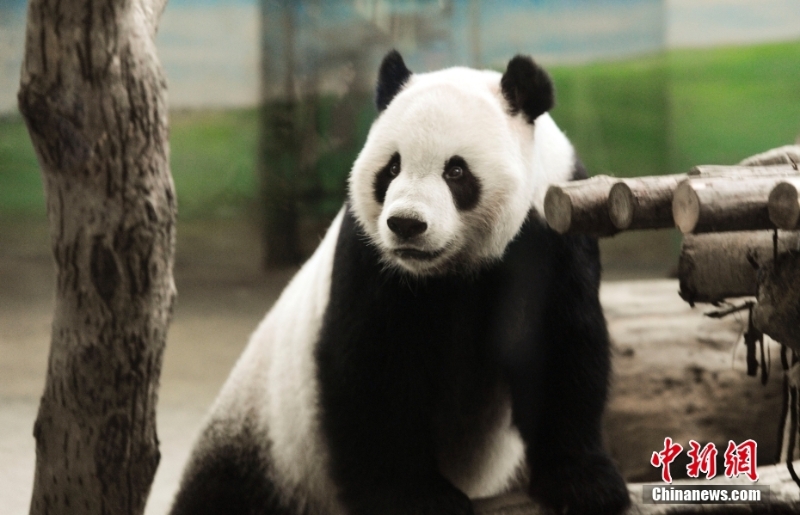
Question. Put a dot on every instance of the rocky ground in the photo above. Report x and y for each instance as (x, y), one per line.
(677, 373)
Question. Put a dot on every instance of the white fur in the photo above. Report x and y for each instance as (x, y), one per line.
(491, 466)
(275, 381)
(552, 159)
(435, 116)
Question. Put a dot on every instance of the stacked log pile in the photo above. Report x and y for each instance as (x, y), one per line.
(707, 199)
(739, 223)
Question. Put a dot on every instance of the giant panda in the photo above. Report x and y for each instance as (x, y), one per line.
(442, 343)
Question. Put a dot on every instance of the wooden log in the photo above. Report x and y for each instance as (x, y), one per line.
(718, 266)
(718, 204)
(511, 503)
(603, 206)
(788, 154)
(644, 203)
(743, 172)
(783, 204)
(580, 206)
(777, 313)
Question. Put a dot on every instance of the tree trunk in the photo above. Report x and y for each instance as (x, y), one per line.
(94, 99)
(280, 143)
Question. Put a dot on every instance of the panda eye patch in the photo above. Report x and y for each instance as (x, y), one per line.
(464, 186)
(385, 176)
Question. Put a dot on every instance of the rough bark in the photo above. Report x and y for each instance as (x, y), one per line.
(784, 204)
(756, 169)
(580, 207)
(94, 99)
(644, 203)
(785, 155)
(778, 310)
(726, 203)
(718, 266)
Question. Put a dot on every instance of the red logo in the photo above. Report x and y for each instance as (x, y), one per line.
(665, 457)
(739, 459)
(704, 460)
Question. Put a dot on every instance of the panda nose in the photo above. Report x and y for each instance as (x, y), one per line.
(406, 227)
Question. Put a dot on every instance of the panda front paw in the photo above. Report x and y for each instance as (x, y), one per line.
(586, 485)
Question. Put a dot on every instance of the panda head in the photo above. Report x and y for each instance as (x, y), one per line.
(448, 172)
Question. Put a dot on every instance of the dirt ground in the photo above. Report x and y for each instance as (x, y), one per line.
(677, 373)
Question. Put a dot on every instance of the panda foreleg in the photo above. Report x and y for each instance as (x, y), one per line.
(376, 422)
(557, 364)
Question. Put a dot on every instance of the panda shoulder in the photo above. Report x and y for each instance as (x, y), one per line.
(290, 327)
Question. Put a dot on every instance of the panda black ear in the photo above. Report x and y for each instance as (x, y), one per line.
(527, 88)
(392, 76)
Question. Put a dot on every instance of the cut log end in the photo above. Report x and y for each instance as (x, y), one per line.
(685, 207)
(580, 207)
(784, 206)
(621, 205)
(558, 209)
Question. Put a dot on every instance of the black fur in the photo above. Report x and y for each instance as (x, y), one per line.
(384, 178)
(527, 88)
(409, 368)
(232, 478)
(392, 76)
(466, 190)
